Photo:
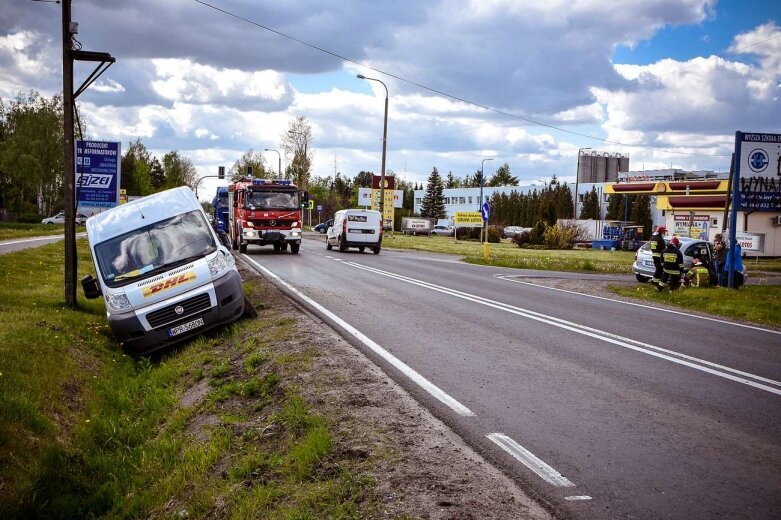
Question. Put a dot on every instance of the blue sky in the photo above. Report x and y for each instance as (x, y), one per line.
(211, 86)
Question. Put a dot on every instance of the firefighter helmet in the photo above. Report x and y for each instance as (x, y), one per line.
(661, 229)
(674, 241)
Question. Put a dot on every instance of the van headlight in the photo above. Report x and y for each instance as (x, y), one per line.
(219, 263)
(117, 302)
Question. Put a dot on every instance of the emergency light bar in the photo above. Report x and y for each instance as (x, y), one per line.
(281, 182)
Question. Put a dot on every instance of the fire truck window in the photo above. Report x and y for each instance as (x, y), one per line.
(273, 200)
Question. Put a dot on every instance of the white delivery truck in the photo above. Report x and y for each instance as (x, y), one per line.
(359, 228)
(162, 271)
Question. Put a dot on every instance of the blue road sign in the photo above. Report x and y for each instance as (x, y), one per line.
(486, 211)
(97, 174)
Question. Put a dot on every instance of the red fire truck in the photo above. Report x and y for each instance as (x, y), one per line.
(263, 212)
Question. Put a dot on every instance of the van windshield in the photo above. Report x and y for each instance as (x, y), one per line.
(155, 248)
(272, 200)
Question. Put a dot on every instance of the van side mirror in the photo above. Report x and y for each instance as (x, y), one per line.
(90, 287)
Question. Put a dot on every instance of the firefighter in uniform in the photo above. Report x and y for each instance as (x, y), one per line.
(672, 265)
(657, 246)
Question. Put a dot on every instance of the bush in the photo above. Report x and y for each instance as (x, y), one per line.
(537, 234)
(468, 233)
(521, 239)
(492, 234)
(558, 237)
(30, 218)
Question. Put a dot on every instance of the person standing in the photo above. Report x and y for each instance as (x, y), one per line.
(719, 258)
(672, 265)
(657, 246)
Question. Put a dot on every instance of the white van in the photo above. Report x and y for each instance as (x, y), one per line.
(162, 271)
(359, 228)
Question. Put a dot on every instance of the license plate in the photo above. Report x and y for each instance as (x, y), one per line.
(190, 325)
(648, 263)
(362, 231)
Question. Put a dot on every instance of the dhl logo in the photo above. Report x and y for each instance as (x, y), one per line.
(167, 284)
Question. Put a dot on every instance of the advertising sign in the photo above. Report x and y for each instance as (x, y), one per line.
(97, 175)
(415, 225)
(365, 197)
(472, 219)
(751, 241)
(758, 167)
(692, 226)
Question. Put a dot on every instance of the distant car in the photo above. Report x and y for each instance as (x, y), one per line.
(59, 218)
(323, 226)
(643, 266)
(511, 231)
(442, 230)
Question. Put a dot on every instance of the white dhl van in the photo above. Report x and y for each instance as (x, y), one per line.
(359, 228)
(162, 271)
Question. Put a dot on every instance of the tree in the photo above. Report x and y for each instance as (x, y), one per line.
(615, 206)
(156, 174)
(179, 171)
(136, 169)
(296, 142)
(641, 213)
(363, 179)
(452, 181)
(433, 204)
(590, 207)
(258, 163)
(31, 161)
(502, 177)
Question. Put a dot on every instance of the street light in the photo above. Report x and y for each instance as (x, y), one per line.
(280, 159)
(482, 180)
(577, 176)
(384, 144)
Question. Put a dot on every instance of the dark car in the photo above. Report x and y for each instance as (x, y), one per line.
(323, 226)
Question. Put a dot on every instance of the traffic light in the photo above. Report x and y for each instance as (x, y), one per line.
(249, 171)
(221, 172)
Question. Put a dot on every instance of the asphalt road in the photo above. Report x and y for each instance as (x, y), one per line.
(601, 408)
(8, 246)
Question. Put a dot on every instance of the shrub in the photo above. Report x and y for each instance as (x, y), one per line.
(557, 237)
(521, 239)
(468, 233)
(493, 235)
(537, 234)
(30, 218)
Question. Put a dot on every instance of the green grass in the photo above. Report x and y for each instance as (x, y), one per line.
(86, 431)
(755, 303)
(507, 254)
(13, 231)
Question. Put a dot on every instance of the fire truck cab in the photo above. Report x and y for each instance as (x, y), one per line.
(264, 212)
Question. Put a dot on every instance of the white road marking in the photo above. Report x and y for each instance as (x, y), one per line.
(578, 497)
(530, 460)
(418, 379)
(509, 278)
(668, 355)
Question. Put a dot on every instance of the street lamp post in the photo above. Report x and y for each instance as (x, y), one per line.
(384, 146)
(577, 178)
(280, 159)
(482, 181)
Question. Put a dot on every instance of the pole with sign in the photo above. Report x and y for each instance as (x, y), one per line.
(756, 185)
(486, 213)
(98, 173)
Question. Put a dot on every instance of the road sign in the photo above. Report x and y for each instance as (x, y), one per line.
(486, 210)
(758, 171)
(319, 208)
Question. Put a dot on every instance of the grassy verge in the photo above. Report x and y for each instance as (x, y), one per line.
(755, 303)
(216, 428)
(507, 254)
(12, 231)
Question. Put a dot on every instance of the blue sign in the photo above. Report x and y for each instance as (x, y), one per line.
(97, 174)
(757, 182)
(486, 211)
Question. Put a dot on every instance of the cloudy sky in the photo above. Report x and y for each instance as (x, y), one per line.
(529, 82)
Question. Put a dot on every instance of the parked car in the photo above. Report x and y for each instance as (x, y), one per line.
(59, 218)
(511, 231)
(442, 230)
(643, 266)
(323, 226)
(359, 228)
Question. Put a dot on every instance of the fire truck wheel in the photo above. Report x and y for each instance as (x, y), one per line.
(277, 247)
(234, 244)
(284, 246)
(242, 245)
(294, 248)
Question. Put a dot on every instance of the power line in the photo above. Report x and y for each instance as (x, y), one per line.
(445, 94)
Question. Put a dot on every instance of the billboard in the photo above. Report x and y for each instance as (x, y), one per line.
(758, 168)
(365, 197)
(97, 175)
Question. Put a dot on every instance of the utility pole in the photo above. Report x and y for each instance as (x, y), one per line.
(68, 150)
